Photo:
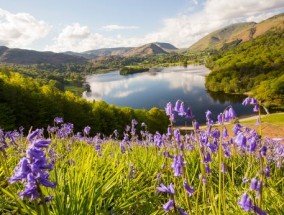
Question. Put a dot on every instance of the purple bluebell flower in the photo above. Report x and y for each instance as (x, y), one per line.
(258, 210)
(170, 131)
(87, 130)
(177, 165)
(188, 112)
(143, 124)
(177, 135)
(246, 101)
(225, 133)
(267, 171)
(245, 180)
(208, 114)
(255, 184)
(241, 140)
(169, 189)
(237, 128)
(232, 113)
(169, 205)
(196, 125)
(134, 122)
(245, 202)
(263, 151)
(169, 109)
(256, 108)
(181, 211)
(207, 169)
(177, 105)
(189, 190)
(220, 118)
(182, 111)
(58, 120)
(33, 168)
(215, 133)
(207, 158)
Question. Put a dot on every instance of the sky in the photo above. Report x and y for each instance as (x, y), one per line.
(73, 25)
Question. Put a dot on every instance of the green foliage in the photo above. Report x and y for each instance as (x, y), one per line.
(63, 76)
(256, 66)
(25, 102)
(132, 70)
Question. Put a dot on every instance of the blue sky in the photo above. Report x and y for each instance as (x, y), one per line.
(73, 25)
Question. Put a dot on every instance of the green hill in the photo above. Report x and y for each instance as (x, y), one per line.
(25, 102)
(241, 32)
(255, 67)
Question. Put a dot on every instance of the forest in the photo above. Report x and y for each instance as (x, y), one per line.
(254, 67)
(26, 102)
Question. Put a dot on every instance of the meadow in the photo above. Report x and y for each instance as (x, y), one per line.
(205, 171)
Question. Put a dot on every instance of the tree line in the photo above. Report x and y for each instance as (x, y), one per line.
(255, 67)
(27, 102)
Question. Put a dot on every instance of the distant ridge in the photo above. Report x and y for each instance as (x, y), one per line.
(241, 32)
(23, 56)
(144, 50)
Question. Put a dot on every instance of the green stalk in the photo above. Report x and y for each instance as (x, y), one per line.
(44, 205)
(197, 197)
(4, 164)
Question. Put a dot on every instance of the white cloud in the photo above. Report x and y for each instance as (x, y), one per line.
(79, 38)
(118, 27)
(182, 31)
(186, 29)
(21, 29)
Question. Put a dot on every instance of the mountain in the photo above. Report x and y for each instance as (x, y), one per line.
(239, 32)
(148, 49)
(23, 56)
(91, 54)
(144, 50)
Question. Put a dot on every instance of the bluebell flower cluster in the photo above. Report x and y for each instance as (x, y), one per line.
(33, 169)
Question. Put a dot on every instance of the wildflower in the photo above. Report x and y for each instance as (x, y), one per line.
(232, 113)
(169, 205)
(196, 125)
(169, 189)
(58, 120)
(169, 109)
(188, 113)
(177, 135)
(245, 202)
(220, 118)
(263, 151)
(189, 190)
(207, 158)
(258, 210)
(33, 169)
(267, 171)
(255, 184)
(241, 140)
(181, 211)
(208, 114)
(177, 105)
(170, 131)
(256, 108)
(134, 122)
(87, 130)
(177, 165)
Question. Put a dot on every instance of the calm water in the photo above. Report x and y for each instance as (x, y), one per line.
(155, 89)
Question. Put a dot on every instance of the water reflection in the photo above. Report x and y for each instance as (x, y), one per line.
(155, 89)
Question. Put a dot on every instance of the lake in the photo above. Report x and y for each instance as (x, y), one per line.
(156, 88)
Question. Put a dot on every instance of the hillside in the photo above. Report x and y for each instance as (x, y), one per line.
(148, 49)
(255, 67)
(144, 50)
(23, 56)
(241, 32)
